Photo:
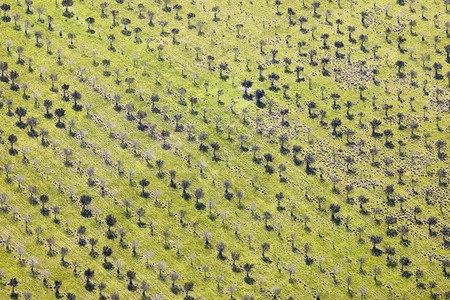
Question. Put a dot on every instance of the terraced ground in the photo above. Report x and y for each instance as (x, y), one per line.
(209, 150)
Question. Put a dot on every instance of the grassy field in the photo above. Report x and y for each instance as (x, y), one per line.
(290, 150)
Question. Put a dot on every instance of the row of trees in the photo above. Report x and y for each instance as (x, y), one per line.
(177, 126)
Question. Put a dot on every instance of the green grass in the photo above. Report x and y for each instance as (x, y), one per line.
(340, 247)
